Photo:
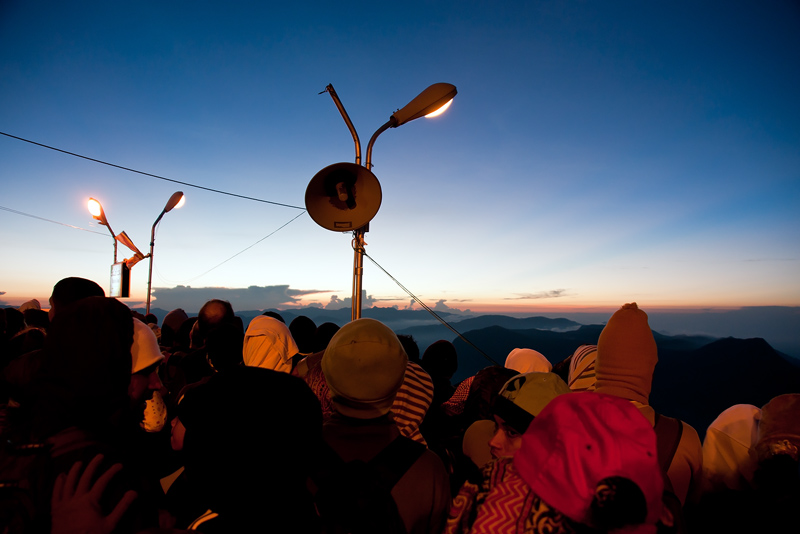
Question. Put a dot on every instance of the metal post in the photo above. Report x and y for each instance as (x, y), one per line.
(150, 273)
(358, 272)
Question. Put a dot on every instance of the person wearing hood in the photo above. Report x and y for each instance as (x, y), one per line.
(626, 358)
(269, 344)
(606, 448)
(364, 366)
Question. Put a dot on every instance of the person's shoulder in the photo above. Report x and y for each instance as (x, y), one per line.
(431, 462)
(691, 439)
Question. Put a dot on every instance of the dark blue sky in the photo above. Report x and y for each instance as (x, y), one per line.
(596, 153)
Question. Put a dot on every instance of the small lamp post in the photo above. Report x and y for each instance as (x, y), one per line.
(429, 103)
(175, 201)
(96, 209)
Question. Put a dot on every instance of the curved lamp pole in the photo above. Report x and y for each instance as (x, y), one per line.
(175, 201)
(431, 102)
(96, 209)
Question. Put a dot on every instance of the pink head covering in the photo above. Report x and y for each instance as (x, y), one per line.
(577, 440)
(269, 344)
(528, 361)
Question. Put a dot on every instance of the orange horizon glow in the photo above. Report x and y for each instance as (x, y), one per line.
(17, 298)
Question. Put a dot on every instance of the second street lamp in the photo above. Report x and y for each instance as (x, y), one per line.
(175, 201)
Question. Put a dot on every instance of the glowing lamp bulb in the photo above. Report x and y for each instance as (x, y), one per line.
(94, 207)
(440, 110)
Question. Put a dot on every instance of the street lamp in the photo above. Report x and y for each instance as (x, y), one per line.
(175, 201)
(431, 102)
(96, 209)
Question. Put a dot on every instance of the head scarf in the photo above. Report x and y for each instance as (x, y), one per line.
(269, 344)
(729, 457)
(528, 361)
(145, 350)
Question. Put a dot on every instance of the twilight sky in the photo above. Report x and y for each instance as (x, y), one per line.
(597, 152)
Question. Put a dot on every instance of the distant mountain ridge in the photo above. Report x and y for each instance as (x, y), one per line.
(697, 376)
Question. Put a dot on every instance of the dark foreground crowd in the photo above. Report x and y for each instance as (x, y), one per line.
(111, 422)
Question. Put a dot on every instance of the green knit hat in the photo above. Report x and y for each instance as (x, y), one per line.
(523, 397)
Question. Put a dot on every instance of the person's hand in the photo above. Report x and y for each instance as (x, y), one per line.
(75, 505)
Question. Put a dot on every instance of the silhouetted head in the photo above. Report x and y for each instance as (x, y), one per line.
(440, 359)
(70, 290)
(37, 318)
(224, 346)
(303, 329)
(410, 346)
(15, 322)
(274, 315)
(212, 314)
(323, 335)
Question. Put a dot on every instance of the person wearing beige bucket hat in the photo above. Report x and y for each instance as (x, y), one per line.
(364, 365)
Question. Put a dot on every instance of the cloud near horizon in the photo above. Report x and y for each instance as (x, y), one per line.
(553, 293)
(367, 301)
(440, 306)
(250, 298)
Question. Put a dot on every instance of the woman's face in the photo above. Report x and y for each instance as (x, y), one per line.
(506, 441)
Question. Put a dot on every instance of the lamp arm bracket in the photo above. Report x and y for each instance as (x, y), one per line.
(391, 123)
(331, 91)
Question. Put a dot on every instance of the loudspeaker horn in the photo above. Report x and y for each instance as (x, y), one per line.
(343, 196)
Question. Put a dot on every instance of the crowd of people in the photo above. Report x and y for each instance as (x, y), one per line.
(112, 421)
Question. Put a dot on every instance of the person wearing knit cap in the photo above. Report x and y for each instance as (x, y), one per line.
(582, 376)
(412, 401)
(269, 344)
(528, 361)
(626, 358)
(587, 463)
(518, 403)
(364, 366)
